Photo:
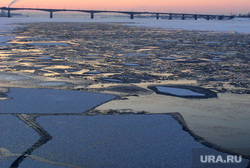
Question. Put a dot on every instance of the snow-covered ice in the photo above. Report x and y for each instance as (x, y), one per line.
(237, 25)
(11, 77)
(52, 83)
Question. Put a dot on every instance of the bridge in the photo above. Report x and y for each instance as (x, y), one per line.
(183, 16)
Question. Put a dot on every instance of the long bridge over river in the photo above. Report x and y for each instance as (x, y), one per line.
(183, 16)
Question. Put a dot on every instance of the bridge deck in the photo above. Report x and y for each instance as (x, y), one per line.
(131, 13)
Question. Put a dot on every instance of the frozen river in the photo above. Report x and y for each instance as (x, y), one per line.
(62, 125)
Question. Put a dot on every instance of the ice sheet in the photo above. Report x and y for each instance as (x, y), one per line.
(51, 101)
(118, 141)
(4, 39)
(235, 25)
(238, 25)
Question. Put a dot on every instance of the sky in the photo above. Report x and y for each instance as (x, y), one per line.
(183, 6)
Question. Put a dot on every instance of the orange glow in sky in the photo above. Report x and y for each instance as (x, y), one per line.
(186, 6)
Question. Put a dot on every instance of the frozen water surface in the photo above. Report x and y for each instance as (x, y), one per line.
(52, 83)
(211, 42)
(51, 101)
(35, 162)
(11, 77)
(178, 91)
(130, 64)
(49, 44)
(114, 80)
(168, 58)
(99, 141)
(216, 59)
(136, 55)
(15, 136)
(44, 58)
(118, 141)
(107, 141)
(93, 72)
(4, 39)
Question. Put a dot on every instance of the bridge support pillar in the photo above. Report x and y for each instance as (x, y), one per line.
(182, 17)
(208, 17)
(92, 15)
(195, 17)
(51, 14)
(8, 13)
(170, 16)
(157, 16)
(131, 16)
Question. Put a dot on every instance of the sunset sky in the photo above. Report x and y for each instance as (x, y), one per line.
(187, 6)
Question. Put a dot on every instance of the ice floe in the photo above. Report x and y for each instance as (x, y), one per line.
(50, 101)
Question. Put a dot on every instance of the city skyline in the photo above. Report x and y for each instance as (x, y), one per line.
(184, 6)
